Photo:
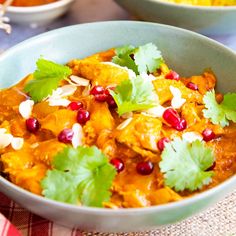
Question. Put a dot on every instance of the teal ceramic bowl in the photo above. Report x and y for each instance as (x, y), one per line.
(206, 20)
(184, 51)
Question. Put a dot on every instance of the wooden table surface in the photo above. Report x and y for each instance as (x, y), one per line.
(84, 11)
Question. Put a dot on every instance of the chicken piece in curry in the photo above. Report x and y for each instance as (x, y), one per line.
(112, 130)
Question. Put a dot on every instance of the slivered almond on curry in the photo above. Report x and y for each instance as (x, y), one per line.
(118, 129)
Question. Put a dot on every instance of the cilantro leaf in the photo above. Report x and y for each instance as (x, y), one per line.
(123, 57)
(45, 79)
(133, 95)
(185, 164)
(220, 113)
(60, 186)
(146, 58)
(79, 175)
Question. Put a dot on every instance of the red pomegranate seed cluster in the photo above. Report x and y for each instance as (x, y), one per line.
(103, 95)
(172, 117)
(66, 135)
(82, 115)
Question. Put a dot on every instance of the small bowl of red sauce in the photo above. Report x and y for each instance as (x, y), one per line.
(36, 12)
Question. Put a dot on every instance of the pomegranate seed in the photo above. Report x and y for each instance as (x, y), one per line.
(192, 86)
(66, 136)
(32, 125)
(83, 116)
(99, 93)
(172, 75)
(162, 142)
(182, 125)
(208, 134)
(118, 164)
(111, 102)
(145, 168)
(100, 97)
(171, 116)
(97, 90)
(75, 106)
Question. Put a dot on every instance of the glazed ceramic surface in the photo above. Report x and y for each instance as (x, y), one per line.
(206, 20)
(38, 15)
(186, 52)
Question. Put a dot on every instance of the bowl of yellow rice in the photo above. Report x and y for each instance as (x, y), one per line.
(209, 17)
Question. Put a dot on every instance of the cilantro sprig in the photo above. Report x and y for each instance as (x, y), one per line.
(134, 94)
(79, 175)
(185, 165)
(220, 113)
(46, 78)
(146, 58)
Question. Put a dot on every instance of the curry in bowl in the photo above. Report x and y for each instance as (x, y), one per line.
(204, 2)
(28, 3)
(118, 129)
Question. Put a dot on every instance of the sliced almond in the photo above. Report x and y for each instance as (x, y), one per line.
(17, 143)
(5, 140)
(124, 123)
(177, 101)
(79, 81)
(67, 90)
(77, 139)
(25, 108)
(155, 111)
(59, 102)
(56, 93)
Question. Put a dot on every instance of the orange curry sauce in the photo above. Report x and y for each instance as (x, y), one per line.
(133, 144)
(29, 3)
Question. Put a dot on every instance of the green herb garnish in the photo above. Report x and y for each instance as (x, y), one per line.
(185, 165)
(45, 79)
(79, 175)
(220, 113)
(143, 59)
(134, 95)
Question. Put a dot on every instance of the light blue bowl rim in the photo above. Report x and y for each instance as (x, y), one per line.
(193, 7)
